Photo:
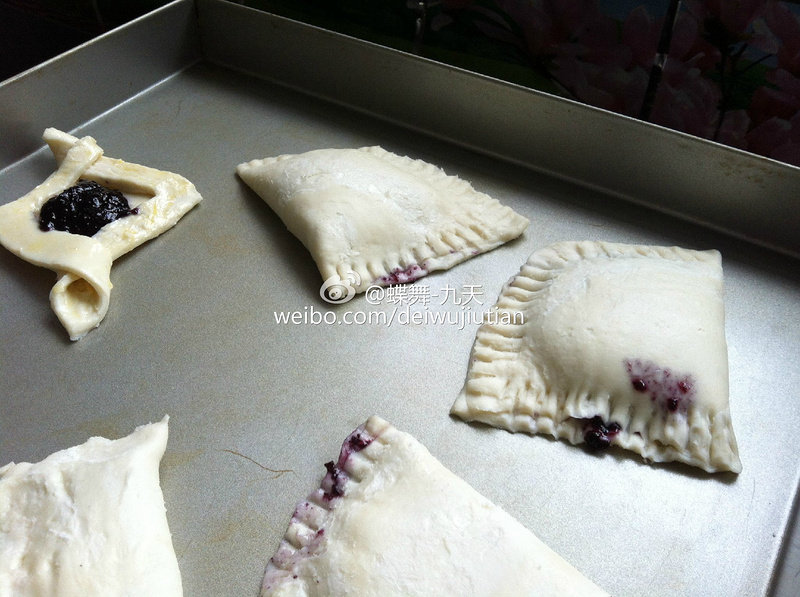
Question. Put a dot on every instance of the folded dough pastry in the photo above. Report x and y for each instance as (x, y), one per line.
(617, 345)
(368, 216)
(89, 521)
(158, 199)
(389, 519)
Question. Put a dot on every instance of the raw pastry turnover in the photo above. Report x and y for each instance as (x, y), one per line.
(368, 216)
(389, 519)
(80, 297)
(89, 521)
(617, 345)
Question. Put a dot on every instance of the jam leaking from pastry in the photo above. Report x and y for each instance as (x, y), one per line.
(634, 334)
(671, 391)
(403, 276)
(336, 477)
(598, 434)
(389, 520)
(84, 209)
(378, 217)
(309, 513)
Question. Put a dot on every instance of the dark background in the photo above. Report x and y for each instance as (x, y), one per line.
(733, 73)
(32, 31)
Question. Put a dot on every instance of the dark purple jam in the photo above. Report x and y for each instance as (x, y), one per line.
(84, 209)
(336, 477)
(403, 276)
(670, 390)
(357, 441)
(598, 434)
(333, 484)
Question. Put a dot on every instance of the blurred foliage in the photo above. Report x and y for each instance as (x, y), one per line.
(732, 74)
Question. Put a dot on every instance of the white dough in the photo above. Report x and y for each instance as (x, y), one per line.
(632, 334)
(369, 216)
(404, 525)
(89, 521)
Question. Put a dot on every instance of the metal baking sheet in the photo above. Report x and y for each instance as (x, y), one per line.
(192, 333)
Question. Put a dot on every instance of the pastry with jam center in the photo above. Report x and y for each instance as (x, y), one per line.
(90, 211)
(84, 209)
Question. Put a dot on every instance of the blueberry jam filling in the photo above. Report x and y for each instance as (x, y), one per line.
(670, 390)
(336, 477)
(403, 276)
(308, 515)
(598, 434)
(333, 483)
(84, 209)
(357, 441)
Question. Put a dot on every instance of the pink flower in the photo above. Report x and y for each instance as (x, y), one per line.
(602, 85)
(785, 25)
(716, 48)
(733, 130)
(686, 101)
(777, 138)
(640, 33)
(782, 101)
(729, 19)
(775, 109)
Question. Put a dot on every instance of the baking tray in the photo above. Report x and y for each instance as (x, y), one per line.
(191, 330)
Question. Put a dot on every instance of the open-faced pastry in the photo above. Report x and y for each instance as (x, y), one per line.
(89, 521)
(617, 345)
(369, 216)
(90, 211)
(390, 520)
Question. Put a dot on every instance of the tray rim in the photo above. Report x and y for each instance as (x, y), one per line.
(133, 57)
(726, 189)
(735, 192)
(195, 58)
